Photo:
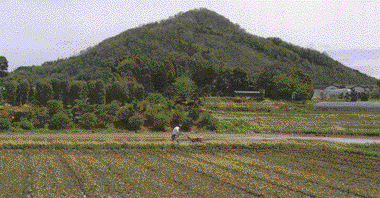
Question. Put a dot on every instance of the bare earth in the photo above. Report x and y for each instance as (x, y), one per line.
(164, 137)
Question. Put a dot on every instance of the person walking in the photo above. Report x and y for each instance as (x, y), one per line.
(175, 133)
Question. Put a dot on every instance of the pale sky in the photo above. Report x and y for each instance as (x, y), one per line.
(35, 31)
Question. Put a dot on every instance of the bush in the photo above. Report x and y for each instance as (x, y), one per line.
(22, 115)
(40, 118)
(110, 109)
(208, 121)
(135, 122)
(160, 121)
(54, 106)
(195, 112)
(181, 118)
(88, 121)
(5, 123)
(82, 107)
(123, 116)
(27, 125)
(59, 121)
(364, 96)
(156, 98)
(104, 119)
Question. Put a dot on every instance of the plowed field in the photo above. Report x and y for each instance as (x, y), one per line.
(191, 172)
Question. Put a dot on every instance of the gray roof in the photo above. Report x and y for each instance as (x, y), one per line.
(246, 91)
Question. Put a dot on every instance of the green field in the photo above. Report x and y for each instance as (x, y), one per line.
(247, 116)
(229, 170)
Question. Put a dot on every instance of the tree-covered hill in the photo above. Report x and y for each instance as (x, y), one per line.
(194, 39)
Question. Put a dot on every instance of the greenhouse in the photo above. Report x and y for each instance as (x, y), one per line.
(347, 106)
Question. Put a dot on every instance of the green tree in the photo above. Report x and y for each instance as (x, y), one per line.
(44, 92)
(264, 79)
(96, 92)
(11, 92)
(31, 94)
(78, 91)
(302, 77)
(118, 90)
(3, 66)
(54, 106)
(304, 92)
(56, 85)
(23, 92)
(204, 75)
(282, 86)
(65, 90)
(185, 89)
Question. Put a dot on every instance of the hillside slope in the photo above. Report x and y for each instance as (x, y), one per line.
(197, 38)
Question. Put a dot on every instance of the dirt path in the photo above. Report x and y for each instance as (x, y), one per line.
(164, 137)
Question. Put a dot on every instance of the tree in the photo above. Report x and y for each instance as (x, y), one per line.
(77, 91)
(96, 92)
(239, 80)
(185, 89)
(282, 86)
(3, 66)
(264, 78)
(65, 91)
(56, 85)
(304, 78)
(44, 92)
(10, 92)
(204, 75)
(303, 92)
(118, 90)
(23, 92)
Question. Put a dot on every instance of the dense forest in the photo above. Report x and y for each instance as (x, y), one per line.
(184, 43)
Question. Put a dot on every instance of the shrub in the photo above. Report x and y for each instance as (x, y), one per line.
(160, 121)
(354, 95)
(104, 119)
(208, 121)
(82, 107)
(88, 121)
(195, 112)
(123, 116)
(181, 118)
(156, 98)
(27, 125)
(54, 106)
(5, 123)
(59, 121)
(40, 118)
(135, 122)
(364, 96)
(110, 109)
(22, 115)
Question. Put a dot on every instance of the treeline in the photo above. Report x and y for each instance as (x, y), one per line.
(95, 92)
(123, 104)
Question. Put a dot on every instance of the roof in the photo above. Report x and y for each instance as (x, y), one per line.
(247, 92)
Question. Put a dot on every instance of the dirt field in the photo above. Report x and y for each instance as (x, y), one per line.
(187, 173)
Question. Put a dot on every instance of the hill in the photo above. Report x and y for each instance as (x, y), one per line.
(193, 39)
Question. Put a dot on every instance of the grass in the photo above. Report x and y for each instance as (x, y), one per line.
(245, 116)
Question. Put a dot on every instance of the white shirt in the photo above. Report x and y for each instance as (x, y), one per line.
(175, 130)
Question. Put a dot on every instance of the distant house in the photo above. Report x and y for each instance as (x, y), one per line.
(331, 90)
(248, 94)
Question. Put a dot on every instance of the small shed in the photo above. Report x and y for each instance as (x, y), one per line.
(248, 94)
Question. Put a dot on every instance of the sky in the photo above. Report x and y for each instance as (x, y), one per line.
(36, 31)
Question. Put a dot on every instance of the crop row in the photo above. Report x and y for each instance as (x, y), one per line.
(174, 172)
